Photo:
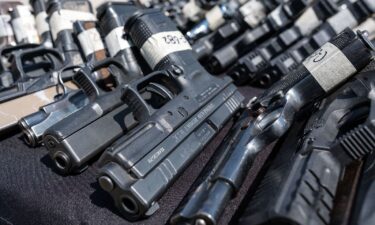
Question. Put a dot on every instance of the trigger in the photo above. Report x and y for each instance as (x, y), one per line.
(160, 90)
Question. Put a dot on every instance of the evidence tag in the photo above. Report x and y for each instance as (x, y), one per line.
(329, 66)
(215, 18)
(253, 12)
(24, 26)
(308, 21)
(162, 44)
(5, 28)
(90, 41)
(64, 19)
(41, 23)
(115, 41)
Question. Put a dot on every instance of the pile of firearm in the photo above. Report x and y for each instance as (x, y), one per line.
(140, 88)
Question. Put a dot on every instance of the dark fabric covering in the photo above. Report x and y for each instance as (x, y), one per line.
(31, 192)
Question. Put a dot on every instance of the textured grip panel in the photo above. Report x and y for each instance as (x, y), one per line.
(358, 142)
(300, 191)
(139, 33)
(310, 188)
(267, 186)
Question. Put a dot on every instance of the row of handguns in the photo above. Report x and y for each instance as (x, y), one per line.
(129, 86)
(258, 42)
(320, 173)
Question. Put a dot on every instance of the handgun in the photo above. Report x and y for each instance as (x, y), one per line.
(33, 126)
(62, 14)
(275, 21)
(174, 10)
(209, 171)
(63, 139)
(41, 19)
(352, 52)
(258, 58)
(361, 209)
(30, 82)
(31, 70)
(264, 69)
(206, 45)
(103, 120)
(89, 41)
(6, 32)
(93, 49)
(112, 17)
(213, 19)
(245, 13)
(179, 107)
(24, 25)
(31, 62)
(194, 10)
(301, 185)
(12, 113)
(291, 60)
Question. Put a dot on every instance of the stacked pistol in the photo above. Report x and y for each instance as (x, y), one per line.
(80, 84)
(258, 42)
(139, 88)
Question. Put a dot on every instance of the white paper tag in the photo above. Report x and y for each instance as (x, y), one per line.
(162, 44)
(253, 12)
(215, 18)
(115, 41)
(23, 10)
(64, 19)
(5, 28)
(24, 27)
(342, 20)
(41, 23)
(90, 41)
(307, 22)
(329, 66)
(192, 11)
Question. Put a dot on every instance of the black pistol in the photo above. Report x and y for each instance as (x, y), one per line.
(180, 107)
(306, 86)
